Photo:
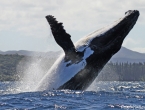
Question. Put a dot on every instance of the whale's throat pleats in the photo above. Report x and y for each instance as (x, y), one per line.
(62, 38)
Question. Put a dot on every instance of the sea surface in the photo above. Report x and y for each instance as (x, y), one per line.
(99, 96)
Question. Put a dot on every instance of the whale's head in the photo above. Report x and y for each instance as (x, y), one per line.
(109, 39)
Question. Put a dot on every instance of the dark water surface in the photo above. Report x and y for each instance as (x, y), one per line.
(100, 96)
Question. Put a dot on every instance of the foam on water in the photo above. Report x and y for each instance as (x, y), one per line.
(130, 97)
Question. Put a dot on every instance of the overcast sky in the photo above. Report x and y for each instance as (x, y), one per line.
(23, 25)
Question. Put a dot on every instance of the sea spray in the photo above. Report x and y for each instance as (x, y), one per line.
(50, 78)
(31, 70)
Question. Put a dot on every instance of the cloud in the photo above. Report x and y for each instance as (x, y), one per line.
(28, 16)
(80, 17)
(139, 49)
(129, 42)
(134, 44)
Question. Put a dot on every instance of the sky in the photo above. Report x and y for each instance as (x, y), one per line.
(23, 25)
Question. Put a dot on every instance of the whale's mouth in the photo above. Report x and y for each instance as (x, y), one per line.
(131, 12)
(123, 28)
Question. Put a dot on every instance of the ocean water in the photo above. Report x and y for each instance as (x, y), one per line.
(100, 96)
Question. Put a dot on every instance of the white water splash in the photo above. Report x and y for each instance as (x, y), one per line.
(31, 75)
(31, 70)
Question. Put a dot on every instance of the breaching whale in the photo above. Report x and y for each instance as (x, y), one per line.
(82, 62)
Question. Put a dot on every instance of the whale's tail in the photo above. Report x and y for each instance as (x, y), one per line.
(62, 38)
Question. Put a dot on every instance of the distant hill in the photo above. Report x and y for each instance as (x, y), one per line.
(124, 55)
(14, 66)
(32, 53)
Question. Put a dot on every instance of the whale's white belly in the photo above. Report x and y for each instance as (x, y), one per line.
(60, 72)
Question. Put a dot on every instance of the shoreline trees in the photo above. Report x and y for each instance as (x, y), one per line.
(111, 72)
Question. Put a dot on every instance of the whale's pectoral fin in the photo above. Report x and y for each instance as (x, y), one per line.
(61, 37)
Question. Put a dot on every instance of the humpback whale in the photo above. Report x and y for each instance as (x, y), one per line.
(81, 62)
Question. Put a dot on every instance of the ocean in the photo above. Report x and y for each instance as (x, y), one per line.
(108, 95)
